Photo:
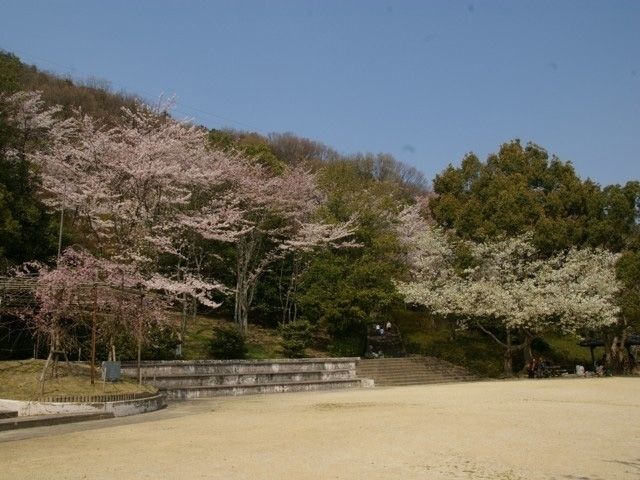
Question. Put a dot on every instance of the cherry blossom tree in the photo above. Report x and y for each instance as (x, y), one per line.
(131, 185)
(510, 286)
(84, 292)
(151, 187)
(277, 218)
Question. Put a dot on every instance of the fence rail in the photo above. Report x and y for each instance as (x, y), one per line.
(115, 397)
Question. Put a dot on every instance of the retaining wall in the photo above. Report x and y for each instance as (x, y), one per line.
(120, 408)
(184, 379)
(182, 367)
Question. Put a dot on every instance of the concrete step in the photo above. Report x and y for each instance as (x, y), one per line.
(215, 367)
(418, 382)
(48, 420)
(205, 380)
(426, 375)
(409, 368)
(209, 378)
(411, 371)
(189, 393)
(426, 378)
(417, 375)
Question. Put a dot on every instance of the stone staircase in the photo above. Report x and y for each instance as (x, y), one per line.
(411, 371)
(184, 380)
(388, 345)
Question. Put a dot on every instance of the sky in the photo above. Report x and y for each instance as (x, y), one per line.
(426, 81)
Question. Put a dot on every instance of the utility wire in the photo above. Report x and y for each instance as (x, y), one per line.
(72, 70)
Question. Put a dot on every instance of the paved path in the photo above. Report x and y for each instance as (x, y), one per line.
(542, 429)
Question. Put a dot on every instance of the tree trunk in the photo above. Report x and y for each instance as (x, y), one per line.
(139, 360)
(43, 375)
(241, 311)
(94, 322)
(139, 338)
(60, 231)
(608, 340)
(508, 363)
(248, 271)
(183, 322)
(508, 356)
(526, 350)
(508, 348)
(241, 314)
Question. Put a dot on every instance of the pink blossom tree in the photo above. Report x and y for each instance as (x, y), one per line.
(151, 187)
(276, 216)
(82, 291)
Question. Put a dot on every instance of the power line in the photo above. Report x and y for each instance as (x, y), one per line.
(72, 70)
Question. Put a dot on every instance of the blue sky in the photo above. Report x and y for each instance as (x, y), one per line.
(426, 81)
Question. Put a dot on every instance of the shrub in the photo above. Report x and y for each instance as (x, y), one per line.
(227, 344)
(296, 337)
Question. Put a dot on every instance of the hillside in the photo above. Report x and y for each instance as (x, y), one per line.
(281, 230)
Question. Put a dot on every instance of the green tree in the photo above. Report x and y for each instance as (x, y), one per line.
(26, 230)
(345, 289)
(520, 189)
(252, 145)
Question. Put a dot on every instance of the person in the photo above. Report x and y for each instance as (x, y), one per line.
(388, 326)
(531, 368)
(539, 367)
(378, 328)
(371, 353)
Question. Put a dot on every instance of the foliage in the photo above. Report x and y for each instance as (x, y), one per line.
(430, 335)
(93, 96)
(345, 289)
(251, 145)
(562, 350)
(199, 217)
(26, 228)
(293, 150)
(628, 272)
(521, 189)
(348, 344)
(511, 286)
(160, 343)
(296, 337)
(227, 343)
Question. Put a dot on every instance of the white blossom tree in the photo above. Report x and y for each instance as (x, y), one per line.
(510, 286)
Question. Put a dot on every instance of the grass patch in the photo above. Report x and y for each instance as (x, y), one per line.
(474, 350)
(469, 349)
(19, 380)
(564, 350)
(424, 335)
(261, 342)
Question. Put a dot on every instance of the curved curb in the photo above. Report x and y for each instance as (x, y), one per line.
(121, 408)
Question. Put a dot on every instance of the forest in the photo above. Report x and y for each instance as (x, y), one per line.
(126, 225)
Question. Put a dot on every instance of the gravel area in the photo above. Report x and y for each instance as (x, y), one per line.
(587, 429)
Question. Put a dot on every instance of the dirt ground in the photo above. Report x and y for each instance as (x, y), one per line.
(569, 429)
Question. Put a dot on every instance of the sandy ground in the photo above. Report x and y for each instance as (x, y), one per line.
(542, 429)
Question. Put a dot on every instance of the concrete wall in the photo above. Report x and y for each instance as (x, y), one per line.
(121, 408)
(185, 367)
